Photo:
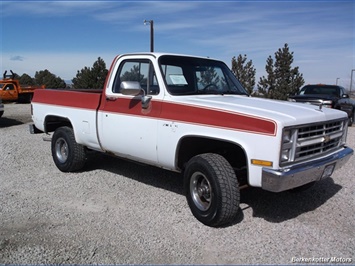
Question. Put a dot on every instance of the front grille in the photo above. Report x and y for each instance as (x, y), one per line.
(316, 148)
(317, 139)
(319, 130)
(314, 140)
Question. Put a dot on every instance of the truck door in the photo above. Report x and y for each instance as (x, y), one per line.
(8, 92)
(126, 128)
(344, 102)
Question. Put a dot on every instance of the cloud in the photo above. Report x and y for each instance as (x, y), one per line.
(320, 33)
(52, 8)
(17, 58)
(64, 65)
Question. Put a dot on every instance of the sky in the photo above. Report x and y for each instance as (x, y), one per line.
(66, 36)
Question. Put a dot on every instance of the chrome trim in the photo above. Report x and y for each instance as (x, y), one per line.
(313, 141)
(277, 180)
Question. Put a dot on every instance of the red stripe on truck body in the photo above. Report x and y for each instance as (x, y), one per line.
(163, 110)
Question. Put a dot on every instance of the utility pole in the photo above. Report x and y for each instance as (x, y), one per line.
(151, 22)
(351, 80)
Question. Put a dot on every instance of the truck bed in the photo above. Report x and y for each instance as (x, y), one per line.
(85, 98)
(75, 107)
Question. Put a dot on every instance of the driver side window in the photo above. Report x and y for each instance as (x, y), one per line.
(140, 70)
(9, 87)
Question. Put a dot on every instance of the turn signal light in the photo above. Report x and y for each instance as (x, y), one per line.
(261, 162)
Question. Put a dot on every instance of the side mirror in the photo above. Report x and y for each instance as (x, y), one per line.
(130, 88)
(134, 88)
(345, 96)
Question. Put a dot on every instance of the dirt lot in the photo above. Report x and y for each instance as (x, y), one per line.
(118, 212)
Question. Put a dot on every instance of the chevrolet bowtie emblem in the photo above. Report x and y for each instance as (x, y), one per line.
(326, 139)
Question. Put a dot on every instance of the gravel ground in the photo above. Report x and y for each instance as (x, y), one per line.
(119, 212)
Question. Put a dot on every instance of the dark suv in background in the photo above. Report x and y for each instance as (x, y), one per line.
(331, 96)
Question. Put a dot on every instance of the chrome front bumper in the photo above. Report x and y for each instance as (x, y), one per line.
(295, 176)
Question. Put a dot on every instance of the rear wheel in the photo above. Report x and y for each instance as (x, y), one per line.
(212, 189)
(68, 155)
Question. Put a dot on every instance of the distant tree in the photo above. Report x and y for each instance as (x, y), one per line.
(99, 71)
(45, 77)
(26, 79)
(282, 80)
(91, 78)
(244, 72)
(267, 84)
(134, 75)
(83, 79)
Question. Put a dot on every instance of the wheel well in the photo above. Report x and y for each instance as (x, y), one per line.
(194, 145)
(52, 122)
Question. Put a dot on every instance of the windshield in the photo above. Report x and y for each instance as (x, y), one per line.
(319, 89)
(189, 75)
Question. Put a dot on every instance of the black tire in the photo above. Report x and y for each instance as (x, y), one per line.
(21, 98)
(25, 98)
(1, 113)
(29, 97)
(68, 155)
(212, 189)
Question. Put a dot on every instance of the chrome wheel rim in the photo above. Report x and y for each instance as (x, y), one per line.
(200, 190)
(61, 150)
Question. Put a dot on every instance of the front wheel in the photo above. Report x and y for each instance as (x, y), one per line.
(68, 155)
(212, 189)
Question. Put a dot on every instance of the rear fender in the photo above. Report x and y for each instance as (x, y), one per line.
(51, 123)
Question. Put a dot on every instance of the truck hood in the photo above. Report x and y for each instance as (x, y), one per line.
(284, 112)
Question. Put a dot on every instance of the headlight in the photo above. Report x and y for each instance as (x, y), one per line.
(327, 104)
(285, 155)
(286, 137)
(287, 145)
(345, 132)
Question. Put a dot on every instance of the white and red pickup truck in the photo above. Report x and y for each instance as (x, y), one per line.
(191, 115)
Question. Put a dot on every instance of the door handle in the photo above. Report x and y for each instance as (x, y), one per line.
(112, 99)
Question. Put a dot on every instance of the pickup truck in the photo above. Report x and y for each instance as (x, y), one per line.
(191, 115)
(12, 91)
(331, 96)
